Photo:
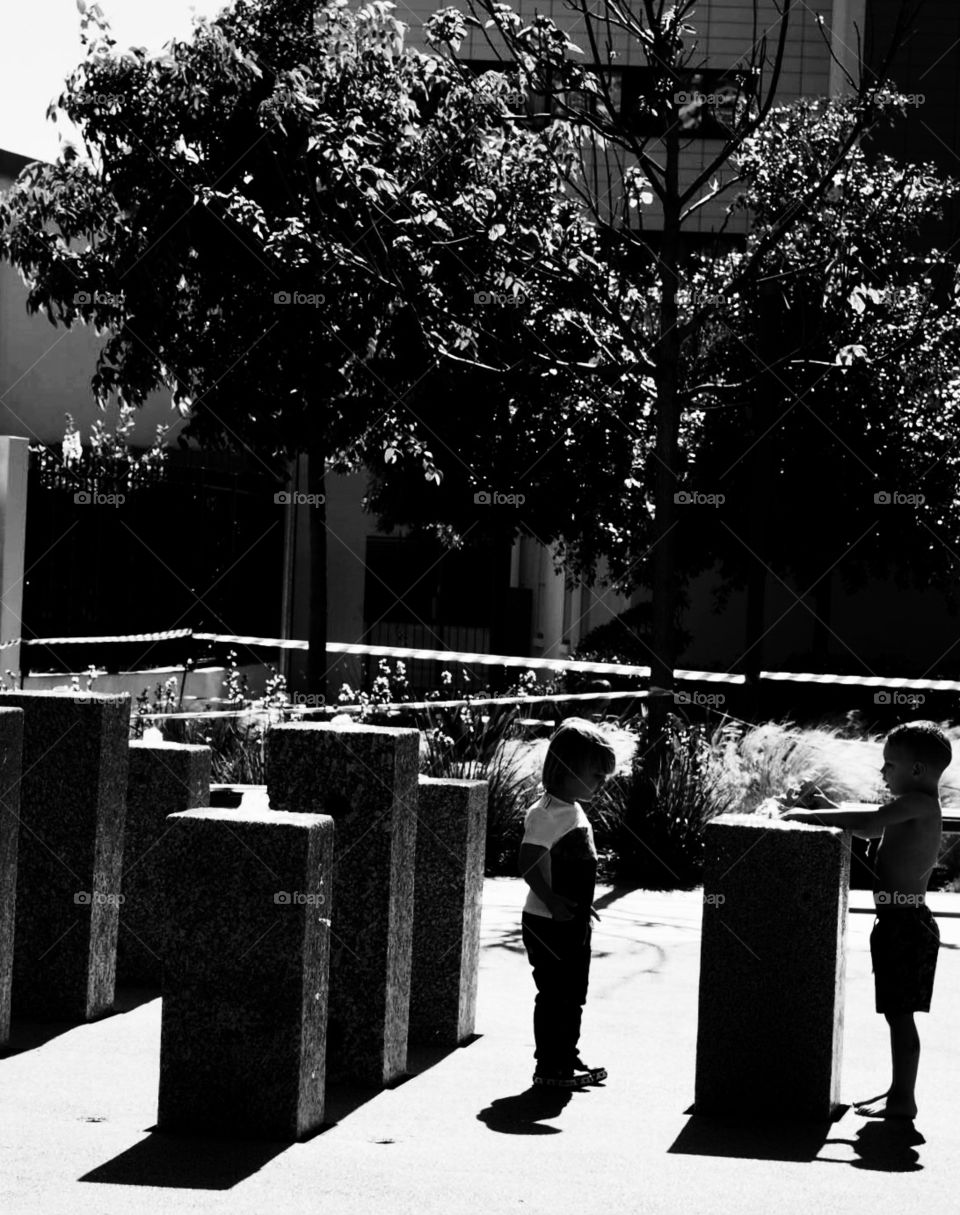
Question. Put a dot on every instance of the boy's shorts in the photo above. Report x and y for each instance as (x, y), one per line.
(903, 945)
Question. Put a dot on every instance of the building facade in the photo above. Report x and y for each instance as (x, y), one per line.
(394, 589)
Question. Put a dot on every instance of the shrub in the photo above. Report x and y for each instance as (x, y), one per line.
(678, 781)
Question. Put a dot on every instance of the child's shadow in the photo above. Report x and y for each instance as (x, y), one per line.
(887, 1146)
(524, 1113)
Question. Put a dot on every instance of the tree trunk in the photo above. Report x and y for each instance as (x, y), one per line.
(317, 514)
(822, 604)
(667, 484)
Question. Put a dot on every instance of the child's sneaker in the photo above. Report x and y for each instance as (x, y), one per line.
(591, 1075)
(561, 1077)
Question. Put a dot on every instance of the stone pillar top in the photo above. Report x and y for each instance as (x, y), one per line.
(760, 823)
(345, 727)
(166, 745)
(457, 782)
(254, 814)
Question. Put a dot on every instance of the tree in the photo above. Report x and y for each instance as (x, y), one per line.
(829, 394)
(627, 287)
(272, 220)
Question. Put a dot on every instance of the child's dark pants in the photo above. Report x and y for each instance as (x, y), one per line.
(559, 952)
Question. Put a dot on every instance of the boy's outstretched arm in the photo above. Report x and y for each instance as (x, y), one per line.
(533, 872)
(868, 823)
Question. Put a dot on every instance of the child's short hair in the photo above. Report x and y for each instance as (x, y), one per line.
(924, 742)
(574, 743)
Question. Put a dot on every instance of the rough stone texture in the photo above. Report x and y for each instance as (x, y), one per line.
(451, 834)
(11, 750)
(950, 847)
(245, 966)
(164, 778)
(72, 803)
(366, 778)
(772, 968)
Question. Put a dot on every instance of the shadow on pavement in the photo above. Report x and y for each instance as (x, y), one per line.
(192, 1160)
(887, 1146)
(29, 1034)
(186, 1162)
(753, 1138)
(524, 1113)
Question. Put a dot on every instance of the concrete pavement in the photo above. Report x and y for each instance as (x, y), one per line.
(467, 1133)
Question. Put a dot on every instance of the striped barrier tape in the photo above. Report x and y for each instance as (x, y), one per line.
(166, 635)
(504, 660)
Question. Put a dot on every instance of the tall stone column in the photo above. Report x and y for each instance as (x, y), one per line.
(11, 750)
(245, 965)
(366, 778)
(772, 968)
(164, 778)
(448, 890)
(72, 805)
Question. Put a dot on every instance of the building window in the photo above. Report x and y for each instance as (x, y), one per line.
(709, 100)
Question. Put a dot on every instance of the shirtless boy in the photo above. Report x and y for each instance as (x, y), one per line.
(905, 936)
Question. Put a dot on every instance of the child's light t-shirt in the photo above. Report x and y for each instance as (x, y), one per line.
(565, 830)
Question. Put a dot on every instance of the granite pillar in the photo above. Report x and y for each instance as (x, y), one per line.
(448, 889)
(366, 778)
(72, 802)
(164, 778)
(11, 749)
(772, 969)
(245, 966)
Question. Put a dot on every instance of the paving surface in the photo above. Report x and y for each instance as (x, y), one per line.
(465, 1133)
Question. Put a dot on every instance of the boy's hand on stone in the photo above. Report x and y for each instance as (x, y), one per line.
(561, 908)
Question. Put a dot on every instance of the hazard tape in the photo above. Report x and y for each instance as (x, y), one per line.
(167, 635)
(865, 681)
(502, 660)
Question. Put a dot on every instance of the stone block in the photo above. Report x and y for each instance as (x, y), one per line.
(164, 778)
(11, 750)
(448, 890)
(772, 969)
(245, 968)
(72, 801)
(365, 777)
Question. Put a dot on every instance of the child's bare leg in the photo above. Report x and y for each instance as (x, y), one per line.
(899, 1101)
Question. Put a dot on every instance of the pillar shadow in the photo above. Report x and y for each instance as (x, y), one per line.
(195, 1160)
(524, 1113)
(886, 1145)
(181, 1161)
(27, 1033)
(754, 1138)
(344, 1096)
